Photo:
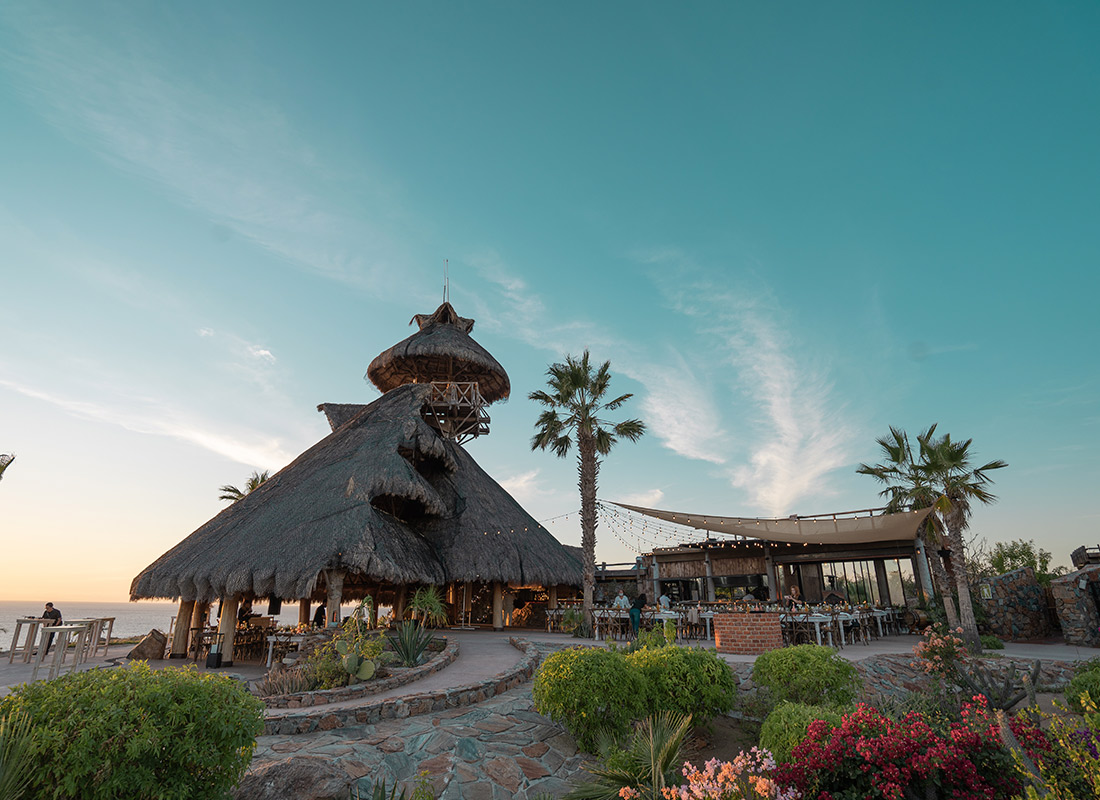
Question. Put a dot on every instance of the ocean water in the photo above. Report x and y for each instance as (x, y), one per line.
(131, 619)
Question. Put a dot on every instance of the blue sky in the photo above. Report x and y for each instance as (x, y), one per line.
(787, 226)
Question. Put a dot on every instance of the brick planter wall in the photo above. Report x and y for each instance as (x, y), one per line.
(746, 633)
(1017, 609)
(1076, 607)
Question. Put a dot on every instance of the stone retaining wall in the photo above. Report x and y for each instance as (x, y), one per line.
(1077, 607)
(1017, 608)
(322, 697)
(327, 719)
(894, 676)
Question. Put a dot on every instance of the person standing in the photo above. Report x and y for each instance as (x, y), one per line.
(621, 601)
(54, 615)
(636, 613)
(664, 602)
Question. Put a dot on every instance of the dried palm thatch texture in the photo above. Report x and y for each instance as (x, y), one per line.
(384, 498)
(442, 350)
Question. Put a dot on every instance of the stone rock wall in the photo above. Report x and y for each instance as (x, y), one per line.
(1075, 599)
(1017, 609)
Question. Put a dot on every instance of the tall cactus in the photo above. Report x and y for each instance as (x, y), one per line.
(1001, 694)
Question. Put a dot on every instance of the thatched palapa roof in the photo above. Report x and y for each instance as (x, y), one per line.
(441, 349)
(385, 498)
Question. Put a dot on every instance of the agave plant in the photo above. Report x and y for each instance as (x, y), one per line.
(649, 763)
(410, 643)
(16, 755)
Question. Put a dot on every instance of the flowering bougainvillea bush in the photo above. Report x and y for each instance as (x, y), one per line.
(747, 777)
(872, 756)
(940, 652)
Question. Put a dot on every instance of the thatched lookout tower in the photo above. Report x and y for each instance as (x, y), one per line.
(387, 501)
(463, 376)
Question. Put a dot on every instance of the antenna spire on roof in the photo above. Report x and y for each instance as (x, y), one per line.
(446, 280)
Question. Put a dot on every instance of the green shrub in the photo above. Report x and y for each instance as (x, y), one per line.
(140, 734)
(685, 680)
(992, 643)
(1087, 681)
(589, 689)
(786, 726)
(807, 674)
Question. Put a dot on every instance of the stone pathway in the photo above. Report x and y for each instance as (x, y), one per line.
(498, 749)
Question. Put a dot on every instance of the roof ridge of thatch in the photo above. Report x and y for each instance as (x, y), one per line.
(444, 315)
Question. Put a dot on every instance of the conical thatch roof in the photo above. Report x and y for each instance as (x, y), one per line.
(383, 497)
(441, 350)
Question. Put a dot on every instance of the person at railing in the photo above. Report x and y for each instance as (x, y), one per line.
(54, 615)
(636, 612)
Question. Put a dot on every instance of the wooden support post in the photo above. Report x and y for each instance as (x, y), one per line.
(227, 626)
(335, 580)
(303, 611)
(773, 580)
(883, 582)
(183, 629)
(656, 582)
(710, 578)
(498, 607)
(553, 601)
(399, 603)
(199, 615)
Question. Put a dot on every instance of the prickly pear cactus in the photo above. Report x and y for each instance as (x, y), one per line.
(366, 670)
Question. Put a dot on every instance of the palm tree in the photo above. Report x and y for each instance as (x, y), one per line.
(948, 467)
(572, 405)
(233, 494)
(907, 486)
(5, 462)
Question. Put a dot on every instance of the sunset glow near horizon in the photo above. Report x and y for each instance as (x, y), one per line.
(787, 228)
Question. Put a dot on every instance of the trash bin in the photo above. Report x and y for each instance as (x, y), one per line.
(214, 657)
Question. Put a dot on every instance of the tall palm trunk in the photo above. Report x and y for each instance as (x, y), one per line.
(588, 467)
(943, 583)
(956, 517)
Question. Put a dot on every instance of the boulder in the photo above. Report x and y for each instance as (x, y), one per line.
(301, 778)
(150, 648)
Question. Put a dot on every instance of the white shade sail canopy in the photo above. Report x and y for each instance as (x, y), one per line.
(850, 527)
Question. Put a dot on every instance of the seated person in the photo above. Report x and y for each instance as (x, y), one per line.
(664, 602)
(793, 598)
(621, 600)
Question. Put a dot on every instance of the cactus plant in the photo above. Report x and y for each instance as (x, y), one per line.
(1001, 694)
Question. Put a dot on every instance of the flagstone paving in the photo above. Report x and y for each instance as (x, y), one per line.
(500, 748)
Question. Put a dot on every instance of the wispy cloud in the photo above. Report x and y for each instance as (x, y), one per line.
(649, 498)
(677, 406)
(235, 159)
(796, 432)
(147, 416)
